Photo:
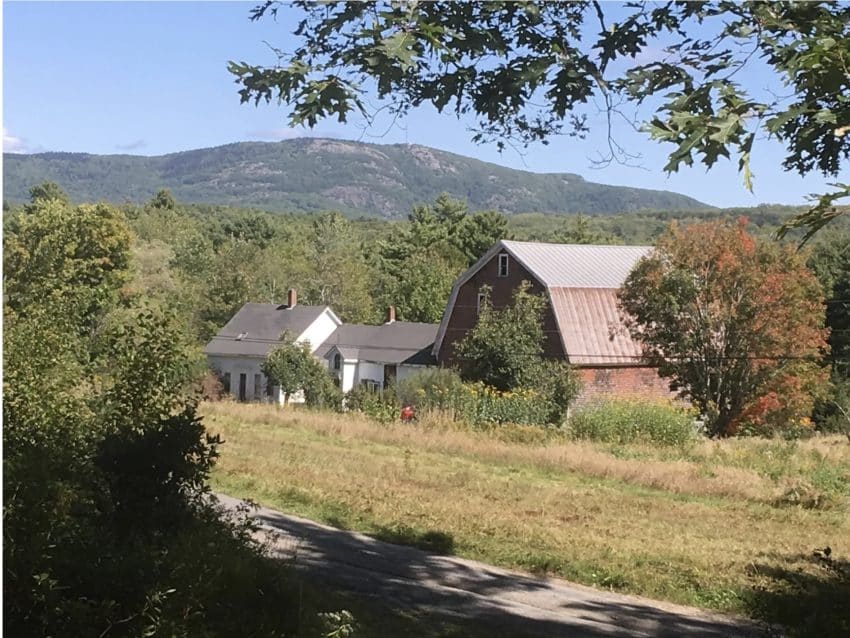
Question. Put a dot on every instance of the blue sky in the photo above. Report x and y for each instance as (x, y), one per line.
(151, 78)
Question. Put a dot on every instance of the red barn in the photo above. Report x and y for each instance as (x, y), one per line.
(582, 323)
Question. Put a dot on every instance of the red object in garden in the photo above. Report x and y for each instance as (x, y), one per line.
(407, 414)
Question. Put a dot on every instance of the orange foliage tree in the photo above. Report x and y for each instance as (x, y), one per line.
(737, 325)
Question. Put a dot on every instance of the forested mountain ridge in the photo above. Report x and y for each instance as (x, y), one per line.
(312, 174)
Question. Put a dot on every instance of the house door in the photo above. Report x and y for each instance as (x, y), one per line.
(389, 375)
(243, 386)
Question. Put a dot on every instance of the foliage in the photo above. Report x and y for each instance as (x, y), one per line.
(559, 385)
(830, 260)
(578, 230)
(322, 390)
(338, 274)
(43, 193)
(432, 389)
(76, 256)
(480, 232)
(420, 261)
(290, 366)
(420, 290)
(477, 404)
(105, 461)
(633, 421)
(550, 60)
(505, 347)
(737, 325)
(381, 405)
(163, 199)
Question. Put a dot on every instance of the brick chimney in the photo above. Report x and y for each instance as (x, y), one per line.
(292, 298)
(391, 314)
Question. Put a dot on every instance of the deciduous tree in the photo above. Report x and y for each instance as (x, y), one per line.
(547, 61)
(77, 255)
(735, 324)
(506, 345)
(290, 366)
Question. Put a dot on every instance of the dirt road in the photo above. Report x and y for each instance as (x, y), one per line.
(507, 603)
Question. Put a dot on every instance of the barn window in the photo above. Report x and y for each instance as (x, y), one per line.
(482, 301)
(258, 387)
(337, 361)
(503, 265)
(226, 383)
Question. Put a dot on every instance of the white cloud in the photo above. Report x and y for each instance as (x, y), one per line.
(12, 144)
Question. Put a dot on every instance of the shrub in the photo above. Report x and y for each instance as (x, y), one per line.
(435, 389)
(524, 407)
(633, 420)
(479, 404)
(322, 392)
(381, 405)
(559, 385)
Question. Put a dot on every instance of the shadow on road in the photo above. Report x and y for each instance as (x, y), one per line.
(498, 602)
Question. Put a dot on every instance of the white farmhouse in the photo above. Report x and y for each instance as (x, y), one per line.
(355, 354)
(241, 346)
(378, 355)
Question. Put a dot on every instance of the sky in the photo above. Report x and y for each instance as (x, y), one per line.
(149, 78)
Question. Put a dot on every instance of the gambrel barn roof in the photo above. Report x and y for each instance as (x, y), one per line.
(582, 282)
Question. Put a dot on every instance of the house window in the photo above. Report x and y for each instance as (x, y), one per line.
(337, 361)
(482, 300)
(503, 265)
(225, 382)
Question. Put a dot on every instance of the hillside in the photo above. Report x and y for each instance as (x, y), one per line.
(321, 174)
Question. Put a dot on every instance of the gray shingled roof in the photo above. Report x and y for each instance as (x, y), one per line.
(260, 326)
(398, 342)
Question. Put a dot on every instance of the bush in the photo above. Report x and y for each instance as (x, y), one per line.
(434, 389)
(559, 384)
(633, 420)
(321, 391)
(479, 404)
(381, 405)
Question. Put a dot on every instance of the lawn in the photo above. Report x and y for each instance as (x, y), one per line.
(725, 525)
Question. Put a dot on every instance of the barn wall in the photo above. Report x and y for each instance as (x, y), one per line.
(464, 313)
(621, 382)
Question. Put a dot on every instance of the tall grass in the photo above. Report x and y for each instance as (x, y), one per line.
(633, 421)
(696, 524)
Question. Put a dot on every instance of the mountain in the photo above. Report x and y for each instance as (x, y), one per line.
(311, 174)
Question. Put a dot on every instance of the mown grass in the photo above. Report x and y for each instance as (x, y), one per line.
(725, 525)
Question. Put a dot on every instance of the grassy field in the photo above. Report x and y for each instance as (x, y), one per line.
(725, 525)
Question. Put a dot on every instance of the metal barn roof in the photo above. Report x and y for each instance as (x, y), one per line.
(577, 265)
(582, 281)
(591, 329)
